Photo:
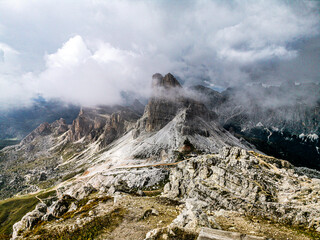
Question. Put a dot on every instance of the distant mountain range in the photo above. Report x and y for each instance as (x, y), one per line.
(15, 124)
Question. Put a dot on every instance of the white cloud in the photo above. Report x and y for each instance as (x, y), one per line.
(73, 53)
(87, 51)
(89, 76)
(263, 33)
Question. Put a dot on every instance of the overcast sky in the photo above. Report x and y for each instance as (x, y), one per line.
(89, 51)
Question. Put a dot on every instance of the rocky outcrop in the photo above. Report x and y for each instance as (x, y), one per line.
(163, 105)
(58, 127)
(202, 188)
(103, 123)
(194, 217)
(247, 182)
(61, 206)
(123, 180)
(29, 220)
(87, 124)
(42, 213)
(118, 124)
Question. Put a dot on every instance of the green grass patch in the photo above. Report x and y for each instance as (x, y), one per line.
(47, 183)
(12, 210)
(47, 194)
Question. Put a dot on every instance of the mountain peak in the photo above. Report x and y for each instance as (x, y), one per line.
(167, 82)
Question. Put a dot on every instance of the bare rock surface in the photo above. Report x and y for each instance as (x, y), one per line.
(249, 183)
(29, 220)
(214, 234)
(126, 180)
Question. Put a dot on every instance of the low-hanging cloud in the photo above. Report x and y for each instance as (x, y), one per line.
(89, 76)
(89, 52)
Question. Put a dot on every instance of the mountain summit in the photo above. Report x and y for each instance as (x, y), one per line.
(167, 82)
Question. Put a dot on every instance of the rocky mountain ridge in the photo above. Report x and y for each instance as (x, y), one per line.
(109, 136)
(113, 158)
(210, 190)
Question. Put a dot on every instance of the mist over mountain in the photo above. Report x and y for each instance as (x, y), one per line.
(90, 54)
(281, 121)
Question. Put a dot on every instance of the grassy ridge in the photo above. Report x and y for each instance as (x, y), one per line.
(13, 209)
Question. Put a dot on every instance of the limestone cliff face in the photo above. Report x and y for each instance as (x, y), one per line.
(118, 124)
(114, 135)
(60, 126)
(158, 113)
(87, 124)
(103, 123)
(168, 98)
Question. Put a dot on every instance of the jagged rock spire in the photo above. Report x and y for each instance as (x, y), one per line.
(167, 82)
